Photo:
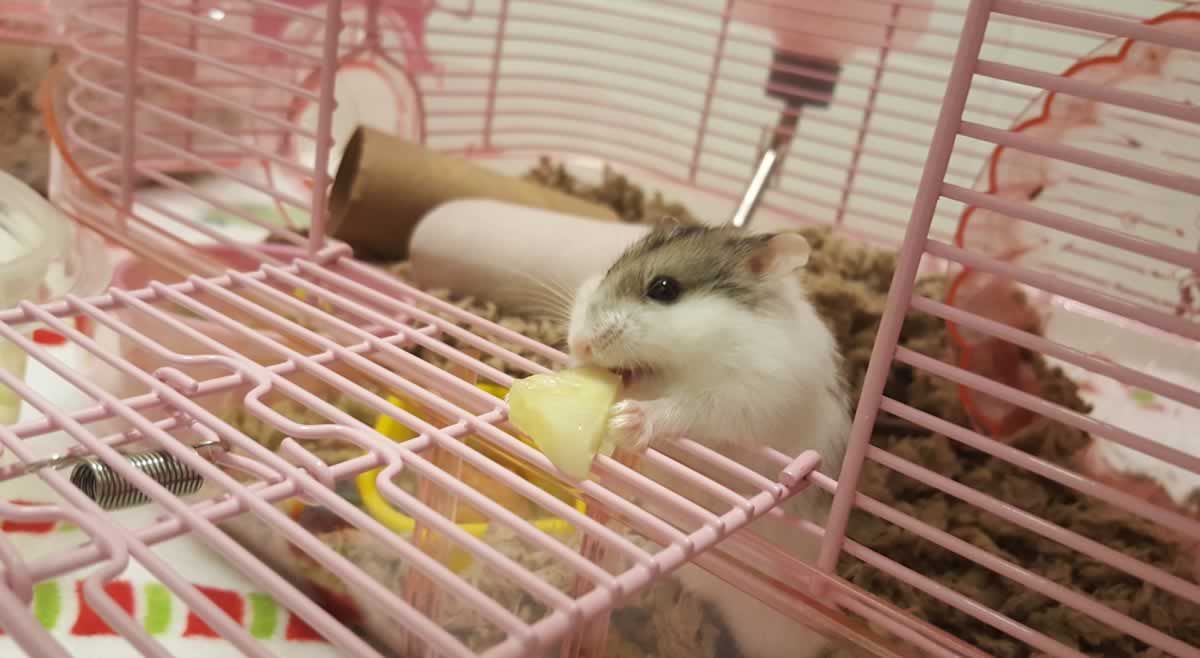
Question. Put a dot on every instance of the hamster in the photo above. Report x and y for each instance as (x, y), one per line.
(716, 340)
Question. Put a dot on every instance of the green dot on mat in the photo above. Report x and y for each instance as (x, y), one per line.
(264, 615)
(47, 603)
(158, 609)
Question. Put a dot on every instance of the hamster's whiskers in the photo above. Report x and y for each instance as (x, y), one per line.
(548, 296)
(549, 309)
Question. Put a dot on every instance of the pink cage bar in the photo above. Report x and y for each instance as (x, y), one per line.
(149, 94)
(27, 23)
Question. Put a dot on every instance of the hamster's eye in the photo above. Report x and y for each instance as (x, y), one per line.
(664, 289)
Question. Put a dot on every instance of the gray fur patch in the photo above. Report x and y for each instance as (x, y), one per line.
(702, 259)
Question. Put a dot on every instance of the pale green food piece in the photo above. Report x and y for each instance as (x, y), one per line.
(565, 414)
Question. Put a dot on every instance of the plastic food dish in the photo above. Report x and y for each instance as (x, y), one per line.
(43, 256)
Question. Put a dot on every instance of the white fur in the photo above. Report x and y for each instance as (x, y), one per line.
(729, 377)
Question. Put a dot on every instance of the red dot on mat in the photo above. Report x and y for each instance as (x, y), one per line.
(88, 622)
(47, 337)
(230, 602)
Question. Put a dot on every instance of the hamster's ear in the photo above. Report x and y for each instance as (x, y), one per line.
(781, 253)
(668, 221)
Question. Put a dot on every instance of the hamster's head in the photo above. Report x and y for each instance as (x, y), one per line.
(683, 293)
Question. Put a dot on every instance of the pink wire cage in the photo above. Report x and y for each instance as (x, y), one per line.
(926, 96)
(27, 23)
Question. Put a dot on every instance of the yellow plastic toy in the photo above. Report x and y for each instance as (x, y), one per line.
(374, 503)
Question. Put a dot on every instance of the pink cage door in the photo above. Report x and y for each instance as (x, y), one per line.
(1137, 80)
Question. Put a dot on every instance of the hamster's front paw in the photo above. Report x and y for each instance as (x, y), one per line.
(630, 425)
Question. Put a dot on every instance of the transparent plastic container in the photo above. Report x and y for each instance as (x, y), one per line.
(43, 256)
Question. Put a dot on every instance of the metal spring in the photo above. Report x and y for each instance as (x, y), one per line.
(110, 491)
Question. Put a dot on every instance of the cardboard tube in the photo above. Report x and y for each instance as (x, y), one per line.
(385, 185)
(510, 254)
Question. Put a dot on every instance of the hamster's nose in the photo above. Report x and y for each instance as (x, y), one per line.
(582, 349)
